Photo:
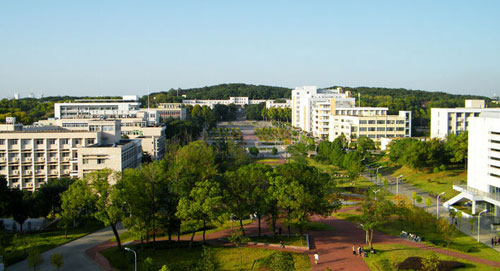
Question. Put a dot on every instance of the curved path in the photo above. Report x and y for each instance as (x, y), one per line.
(74, 257)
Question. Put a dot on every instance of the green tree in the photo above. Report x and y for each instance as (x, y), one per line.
(428, 202)
(208, 260)
(374, 213)
(365, 144)
(34, 259)
(108, 203)
(457, 147)
(56, 260)
(78, 202)
(353, 164)
(148, 265)
(254, 151)
(430, 262)
(202, 206)
(238, 239)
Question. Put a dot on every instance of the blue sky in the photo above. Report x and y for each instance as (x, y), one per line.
(125, 47)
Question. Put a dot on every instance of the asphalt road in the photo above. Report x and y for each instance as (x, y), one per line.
(74, 257)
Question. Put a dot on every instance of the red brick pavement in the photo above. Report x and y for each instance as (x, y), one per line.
(333, 247)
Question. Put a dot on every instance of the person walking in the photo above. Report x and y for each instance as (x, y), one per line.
(282, 244)
(316, 258)
(354, 250)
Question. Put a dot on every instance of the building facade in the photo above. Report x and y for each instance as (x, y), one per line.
(329, 113)
(445, 121)
(483, 169)
(31, 155)
(171, 110)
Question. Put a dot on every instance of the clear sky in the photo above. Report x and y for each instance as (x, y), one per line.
(124, 47)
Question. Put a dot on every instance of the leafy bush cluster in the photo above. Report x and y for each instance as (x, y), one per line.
(415, 263)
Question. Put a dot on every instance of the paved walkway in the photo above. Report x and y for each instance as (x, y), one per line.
(407, 190)
(74, 257)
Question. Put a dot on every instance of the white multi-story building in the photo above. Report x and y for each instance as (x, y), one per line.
(31, 155)
(239, 101)
(278, 104)
(98, 108)
(307, 99)
(152, 136)
(445, 121)
(483, 172)
(329, 113)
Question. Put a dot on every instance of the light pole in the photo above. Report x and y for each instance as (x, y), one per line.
(479, 223)
(397, 184)
(376, 175)
(375, 192)
(437, 205)
(135, 257)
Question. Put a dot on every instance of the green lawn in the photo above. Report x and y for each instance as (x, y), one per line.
(227, 258)
(388, 255)
(17, 246)
(289, 241)
(433, 183)
(460, 242)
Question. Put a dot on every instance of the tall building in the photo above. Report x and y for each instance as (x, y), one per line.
(445, 121)
(31, 155)
(483, 169)
(329, 113)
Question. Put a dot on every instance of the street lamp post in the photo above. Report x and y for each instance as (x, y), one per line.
(479, 223)
(375, 192)
(376, 175)
(397, 184)
(437, 205)
(135, 257)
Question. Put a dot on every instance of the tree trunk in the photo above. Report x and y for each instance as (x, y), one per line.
(192, 237)
(258, 218)
(289, 232)
(371, 239)
(117, 236)
(169, 234)
(241, 226)
(66, 233)
(204, 230)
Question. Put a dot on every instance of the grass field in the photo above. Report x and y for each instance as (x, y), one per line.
(388, 255)
(288, 241)
(461, 243)
(226, 258)
(17, 246)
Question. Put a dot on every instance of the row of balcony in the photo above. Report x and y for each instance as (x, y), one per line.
(15, 160)
(38, 172)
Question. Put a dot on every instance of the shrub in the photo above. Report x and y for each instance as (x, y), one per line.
(254, 151)
(442, 167)
(435, 170)
(415, 263)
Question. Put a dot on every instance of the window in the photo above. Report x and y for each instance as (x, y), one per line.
(362, 129)
(13, 141)
(52, 154)
(52, 141)
(39, 154)
(400, 129)
(85, 161)
(26, 141)
(107, 128)
(26, 155)
(380, 121)
(90, 141)
(381, 129)
(371, 129)
(100, 161)
(39, 141)
(362, 122)
(371, 122)
(390, 129)
(2, 141)
(400, 122)
(52, 167)
(64, 141)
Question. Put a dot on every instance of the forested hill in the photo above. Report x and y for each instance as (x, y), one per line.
(222, 91)
(418, 101)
